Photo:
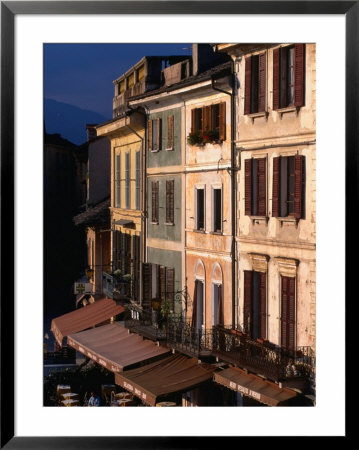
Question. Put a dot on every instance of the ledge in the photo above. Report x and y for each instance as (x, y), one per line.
(218, 233)
(169, 224)
(170, 149)
(154, 223)
(259, 219)
(288, 109)
(258, 114)
(288, 219)
(199, 231)
(154, 150)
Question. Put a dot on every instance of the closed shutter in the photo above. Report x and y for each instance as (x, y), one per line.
(138, 180)
(298, 186)
(206, 112)
(194, 305)
(263, 304)
(193, 121)
(150, 136)
(162, 282)
(159, 134)
(118, 180)
(288, 314)
(248, 187)
(170, 132)
(155, 201)
(276, 187)
(171, 286)
(299, 67)
(170, 201)
(262, 83)
(222, 121)
(276, 78)
(291, 315)
(247, 85)
(261, 187)
(220, 318)
(147, 285)
(127, 175)
(248, 276)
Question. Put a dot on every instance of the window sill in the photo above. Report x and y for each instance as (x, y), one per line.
(154, 150)
(199, 231)
(259, 219)
(154, 223)
(169, 223)
(170, 149)
(288, 109)
(258, 114)
(218, 233)
(288, 219)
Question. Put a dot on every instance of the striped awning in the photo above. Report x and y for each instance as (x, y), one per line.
(83, 318)
(115, 348)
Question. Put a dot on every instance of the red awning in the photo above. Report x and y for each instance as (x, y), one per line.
(253, 386)
(83, 318)
(176, 373)
(115, 348)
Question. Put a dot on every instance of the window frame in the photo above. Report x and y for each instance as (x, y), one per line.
(203, 117)
(214, 209)
(155, 134)
(200, 188)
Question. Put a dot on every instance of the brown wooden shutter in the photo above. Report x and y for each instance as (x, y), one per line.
(147, 288)
(288, 314)
(206, 112)
(291, 314)
(193, 121)
(262, 83)
(276, 187)
(220, 318)
(248, 187)
(299, 67)
(171, 286)
(276, 78)
(247, 85)
(162, 282)
(298, 186)
(159, 134)
(222, 121)
(248, 277)
(284, 312)
(261, 187)
(194, 305)
(154, 201)
(150, 139)
(170, 201)
(170, 132)
(263, 304)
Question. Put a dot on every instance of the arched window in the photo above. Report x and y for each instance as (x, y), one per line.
(217, 295)
(198, 307)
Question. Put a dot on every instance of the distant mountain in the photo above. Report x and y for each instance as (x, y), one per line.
(68, 120)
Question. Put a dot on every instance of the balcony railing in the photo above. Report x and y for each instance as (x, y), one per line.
(262, 357)
(186, 339)
(107, 284)
(147, 325)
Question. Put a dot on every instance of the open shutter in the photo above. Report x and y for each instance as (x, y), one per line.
(299, 50)
(206, 113)
(248, 276)
(170, 201)
(159, 134)
(147, 285)
(162, 282)
(171, 286)
(222, 121)
(284, 312)
(298, 185)
(263, 304)
(248, 187)
(291, 314)
(220, 318)
(150, 137)
(193, 121)
(261, 187)
(247, 85)
(276, 187)
(276, 78)
(194, 305)
(154, 201)
(262, 83)
(170, 132)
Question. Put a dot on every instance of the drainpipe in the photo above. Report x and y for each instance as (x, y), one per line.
(143, 196)
(233, 190)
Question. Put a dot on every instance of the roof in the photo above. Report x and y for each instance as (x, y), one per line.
(222, 69)
(253, 386)
(176, 373)
(115, 348)
(83, 318)
(95, 215)
(56, 139)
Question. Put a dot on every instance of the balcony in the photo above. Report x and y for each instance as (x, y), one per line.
(146, 324)
(182, 337)
(262, 357)
(115, 288)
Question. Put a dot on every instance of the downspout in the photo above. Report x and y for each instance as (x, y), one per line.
(233, 190)
(143, 194)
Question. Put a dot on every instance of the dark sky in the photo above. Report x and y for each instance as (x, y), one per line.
(82, 74)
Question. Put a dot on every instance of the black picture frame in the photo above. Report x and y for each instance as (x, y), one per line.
(9, 9)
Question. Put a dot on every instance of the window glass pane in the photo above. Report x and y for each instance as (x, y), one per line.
(217, 207)
(200, 209)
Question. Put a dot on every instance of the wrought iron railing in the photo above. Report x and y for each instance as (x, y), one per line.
(261, 356)
(107, 284)
(147, 323)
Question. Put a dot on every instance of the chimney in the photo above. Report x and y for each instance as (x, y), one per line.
(91, 131)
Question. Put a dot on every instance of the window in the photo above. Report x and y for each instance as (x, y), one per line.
(211, 120)
(127, 180)
(255, 84)
(131, 80)
(158, 283)
(170, 201)
(288, 76)
(155, 205)
(138, 180)
(141, 73)
(217, 312)
(170, 133)
(288, 186)
(199, 218)
(118, 181)
(121, 87)
(255, 187)
(198, 321)
(255, 303)
(217, 210)
(154, 134)
(288, 313)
